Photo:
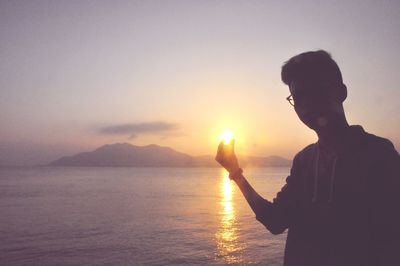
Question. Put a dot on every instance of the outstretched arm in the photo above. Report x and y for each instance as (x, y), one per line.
(275, 216)
(257, 203)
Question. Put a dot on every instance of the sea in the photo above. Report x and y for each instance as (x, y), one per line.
(134, 216)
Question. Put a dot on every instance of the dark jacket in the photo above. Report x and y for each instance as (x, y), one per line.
(356, 220)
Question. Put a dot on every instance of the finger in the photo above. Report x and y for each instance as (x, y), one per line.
(221, 147)
(221, 144)
(220, 150)
(232, 143)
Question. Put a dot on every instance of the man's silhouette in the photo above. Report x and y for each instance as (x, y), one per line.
(341, 201)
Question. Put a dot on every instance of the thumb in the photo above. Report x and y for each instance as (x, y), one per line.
(232, 143)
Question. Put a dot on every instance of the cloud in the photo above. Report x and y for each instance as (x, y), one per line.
(132, 136)
(135, 129)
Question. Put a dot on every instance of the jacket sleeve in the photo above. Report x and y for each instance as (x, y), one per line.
(276, 215)
(385, 211)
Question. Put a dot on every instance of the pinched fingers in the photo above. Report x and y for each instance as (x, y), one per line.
(220, 153)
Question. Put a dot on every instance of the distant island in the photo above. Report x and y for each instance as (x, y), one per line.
(128, 155)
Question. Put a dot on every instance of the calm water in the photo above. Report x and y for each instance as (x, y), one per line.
(134, 216)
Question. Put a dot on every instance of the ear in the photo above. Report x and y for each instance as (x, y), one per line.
(342, 92)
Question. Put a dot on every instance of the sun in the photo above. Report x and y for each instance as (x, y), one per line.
(227, 136)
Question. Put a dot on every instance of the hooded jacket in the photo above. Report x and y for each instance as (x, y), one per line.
(348, 216)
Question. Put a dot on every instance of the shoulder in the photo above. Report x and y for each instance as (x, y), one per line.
(380, 146)
(382, 157)
(383, 165)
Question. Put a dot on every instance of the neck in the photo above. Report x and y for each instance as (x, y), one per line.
(332, 136)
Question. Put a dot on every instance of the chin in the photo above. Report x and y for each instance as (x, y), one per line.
(316, 123)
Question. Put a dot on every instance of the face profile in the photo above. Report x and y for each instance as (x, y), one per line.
(317, 90)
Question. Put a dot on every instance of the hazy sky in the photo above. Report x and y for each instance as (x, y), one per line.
(75, 75)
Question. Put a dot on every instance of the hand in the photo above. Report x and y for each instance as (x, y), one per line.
(226, 156)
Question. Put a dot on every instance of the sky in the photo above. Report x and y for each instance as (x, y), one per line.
(75, 75)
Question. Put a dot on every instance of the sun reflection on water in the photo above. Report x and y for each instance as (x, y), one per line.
(226, 237)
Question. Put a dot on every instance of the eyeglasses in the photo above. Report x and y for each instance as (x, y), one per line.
(316, 97)
(312, 94)
(290, 99)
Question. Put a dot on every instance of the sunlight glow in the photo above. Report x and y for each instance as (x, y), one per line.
(227, 237)
(227, 136)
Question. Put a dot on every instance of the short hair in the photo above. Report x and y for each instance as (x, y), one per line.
(315, 67)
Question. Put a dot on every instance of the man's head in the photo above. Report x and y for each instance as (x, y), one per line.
(316, 85)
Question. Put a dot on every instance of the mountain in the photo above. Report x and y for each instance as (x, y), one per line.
(125, 154)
